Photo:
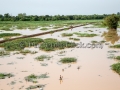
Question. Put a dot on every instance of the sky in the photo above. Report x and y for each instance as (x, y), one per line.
(61, 7)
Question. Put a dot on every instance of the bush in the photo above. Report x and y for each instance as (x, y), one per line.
(111, 21)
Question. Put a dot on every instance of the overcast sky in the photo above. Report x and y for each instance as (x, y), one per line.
(61, 7)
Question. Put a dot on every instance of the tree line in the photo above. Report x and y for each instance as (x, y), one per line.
(24, 17)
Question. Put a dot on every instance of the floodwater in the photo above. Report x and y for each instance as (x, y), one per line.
(94, 74)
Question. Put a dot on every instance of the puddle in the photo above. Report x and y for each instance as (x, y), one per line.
(94, 72)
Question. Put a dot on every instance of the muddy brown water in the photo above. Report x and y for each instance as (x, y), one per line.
(94, 74)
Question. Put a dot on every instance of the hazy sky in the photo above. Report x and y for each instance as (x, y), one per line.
(61, 7)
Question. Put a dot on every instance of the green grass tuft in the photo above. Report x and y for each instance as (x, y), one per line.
(68, 60)
(116, 67)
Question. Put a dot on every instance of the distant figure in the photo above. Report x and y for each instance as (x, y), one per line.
(71, 27)
(63, 70)
(61, 77)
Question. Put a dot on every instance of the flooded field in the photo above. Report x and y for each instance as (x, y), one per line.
(92, 70)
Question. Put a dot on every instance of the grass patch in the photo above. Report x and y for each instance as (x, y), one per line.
(94, 41)
(35, 86)
(90, 30)
(85, 34)
(115, 46)
(118, 57)
(113, 51)
(52, 44)
(33, 77)
(42, 57)
(4, 75)
(20, 44)
(9, 34)
(44, 29)
(4, 53)
(102, 41)
(75, 39)
(5, 28)
(116, 68)
(67, 34)
(24, 52)
(111, 56)
(68, 60)
(56, 27)
(32, 27)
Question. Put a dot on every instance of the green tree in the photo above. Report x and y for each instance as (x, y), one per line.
(111, 21)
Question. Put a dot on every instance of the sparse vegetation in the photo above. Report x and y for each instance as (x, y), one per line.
(52, 44)
(4, 75)
(94, 41)
(68, 60)
(33, 77)
(24, 52)
(20, 44)
(118, 57)
(35, 86)
(4, 53)
(42, 57)
(44, 29)
(85, 34)
(115, 46)
(75, 39)
(116, 67)
(67, 34)
(9, 34)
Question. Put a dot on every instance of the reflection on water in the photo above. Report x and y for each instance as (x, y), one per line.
(61, 81)
(111, 36)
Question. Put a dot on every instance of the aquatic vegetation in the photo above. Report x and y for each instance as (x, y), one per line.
(44, 64)
(94, 41)
(85, 34)
(12, 82)
(90, 30)
(75, 39)
(33, 77)
(117, 57)
(11, 63)
(24, 52)
(42, 57)
(113, 51)
(53, 44)
(4, 53)
(111, 56)
(116, 67)
(4, 75)
(102, 41)
(20, 44)
(67, 34)
(9, 34)
(20, 57)
(115, 46)
(68, 60)
(35, 86)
